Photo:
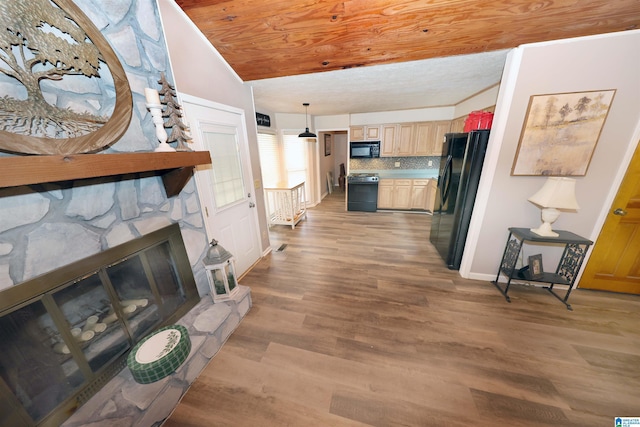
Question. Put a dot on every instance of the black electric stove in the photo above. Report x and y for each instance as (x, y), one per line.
(362, 192)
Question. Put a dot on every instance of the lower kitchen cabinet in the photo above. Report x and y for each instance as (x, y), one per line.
(419, 193)
(385, 194)
(406, 194)
(402, 194)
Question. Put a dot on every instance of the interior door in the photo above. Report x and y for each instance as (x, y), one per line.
(225, 187)
(614, 264)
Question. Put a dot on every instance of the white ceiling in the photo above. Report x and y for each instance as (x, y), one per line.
(400, 86)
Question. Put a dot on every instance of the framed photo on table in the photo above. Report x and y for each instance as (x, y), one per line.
(560, 133)
(327, 144)
(535, 266)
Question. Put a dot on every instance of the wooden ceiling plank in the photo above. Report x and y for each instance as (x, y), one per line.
(293, 37)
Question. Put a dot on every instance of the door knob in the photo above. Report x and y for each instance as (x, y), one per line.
(620, 212)
(252, 205)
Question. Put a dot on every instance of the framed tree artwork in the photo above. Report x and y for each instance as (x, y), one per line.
(560, 133)
(47, 47)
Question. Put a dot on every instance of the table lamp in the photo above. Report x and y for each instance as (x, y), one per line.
(556, 193)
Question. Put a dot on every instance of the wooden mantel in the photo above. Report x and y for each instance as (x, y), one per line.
(175, 168)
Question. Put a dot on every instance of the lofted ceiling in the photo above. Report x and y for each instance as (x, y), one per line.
(380, 55)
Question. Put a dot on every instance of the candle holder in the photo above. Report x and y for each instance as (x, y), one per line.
(161, 134)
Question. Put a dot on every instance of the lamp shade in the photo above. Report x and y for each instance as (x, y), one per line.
(306, 133)
(557, 192)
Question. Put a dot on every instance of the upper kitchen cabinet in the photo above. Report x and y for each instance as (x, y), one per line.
(413, 139)
(398, 140)
(429, 137)
(365, 133)
(405, 145)
(387, 144)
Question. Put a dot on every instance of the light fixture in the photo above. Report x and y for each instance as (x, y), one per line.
(556, 193)
(306, 133)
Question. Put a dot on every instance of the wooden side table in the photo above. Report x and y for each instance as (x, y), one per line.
(286, 204)
(575, 249)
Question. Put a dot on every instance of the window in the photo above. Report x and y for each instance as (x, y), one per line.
(286, 161)
(270, 162)
(296, 159)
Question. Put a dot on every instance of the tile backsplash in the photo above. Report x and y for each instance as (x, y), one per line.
(384, 163)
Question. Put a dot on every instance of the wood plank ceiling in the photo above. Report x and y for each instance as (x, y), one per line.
(290, 37)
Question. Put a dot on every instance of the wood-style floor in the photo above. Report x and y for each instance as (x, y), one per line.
(358, 323)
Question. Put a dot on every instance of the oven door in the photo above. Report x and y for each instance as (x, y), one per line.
(362, 196)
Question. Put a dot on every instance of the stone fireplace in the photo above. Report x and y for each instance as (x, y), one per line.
(65, 334)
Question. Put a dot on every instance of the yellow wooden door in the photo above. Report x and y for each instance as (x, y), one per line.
(614, 264)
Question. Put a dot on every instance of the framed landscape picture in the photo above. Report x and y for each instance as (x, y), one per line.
(560, 133)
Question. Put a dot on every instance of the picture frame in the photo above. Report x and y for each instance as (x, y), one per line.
(535, 266)
(327, 144)
(560, 133)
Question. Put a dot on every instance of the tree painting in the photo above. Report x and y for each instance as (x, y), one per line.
(40, 42)
(561, 132)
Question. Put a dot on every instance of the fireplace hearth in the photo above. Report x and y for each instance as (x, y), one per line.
(65, 334)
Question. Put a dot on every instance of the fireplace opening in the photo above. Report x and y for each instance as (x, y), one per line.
(66, 333)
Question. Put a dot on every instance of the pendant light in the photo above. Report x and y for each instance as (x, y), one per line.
(306, 133)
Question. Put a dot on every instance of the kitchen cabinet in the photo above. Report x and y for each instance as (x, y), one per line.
(439, 129)
(413, 139)
(387, 143)
(365, 133)
(419, 193)
(406, 194)
(431, 194)
(385, 194)
(404, 146)
(429, 137)
(402, 193)
(423, 194)
(397, 140)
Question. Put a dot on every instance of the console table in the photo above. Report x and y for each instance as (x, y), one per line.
(286, 203)
(575, 249)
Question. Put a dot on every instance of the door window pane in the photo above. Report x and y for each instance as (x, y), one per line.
(228, 185)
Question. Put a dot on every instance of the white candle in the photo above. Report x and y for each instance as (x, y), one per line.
(152, 96)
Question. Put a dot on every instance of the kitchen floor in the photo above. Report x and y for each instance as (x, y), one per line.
(356, 322)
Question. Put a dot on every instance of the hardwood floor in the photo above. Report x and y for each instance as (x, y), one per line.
(357, 322)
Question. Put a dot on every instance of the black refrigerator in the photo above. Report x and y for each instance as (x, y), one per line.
(460, 169)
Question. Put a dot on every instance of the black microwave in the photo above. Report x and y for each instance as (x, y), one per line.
(365, 149)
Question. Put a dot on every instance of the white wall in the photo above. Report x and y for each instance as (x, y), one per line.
(403, 116)
(199, 70)
(484, 99)
(583, 64)
(337, 122)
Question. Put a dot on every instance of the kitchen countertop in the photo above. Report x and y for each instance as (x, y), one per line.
(402, 173)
